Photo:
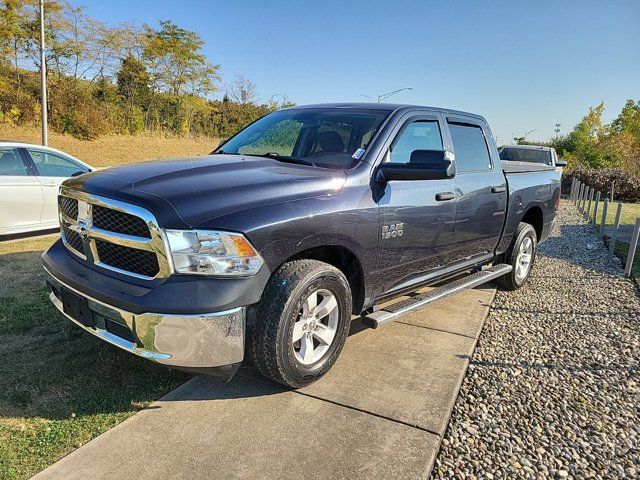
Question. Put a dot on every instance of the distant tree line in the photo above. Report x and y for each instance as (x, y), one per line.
(115, 79)
(593, 144)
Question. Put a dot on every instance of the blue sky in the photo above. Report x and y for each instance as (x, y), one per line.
(522, 64)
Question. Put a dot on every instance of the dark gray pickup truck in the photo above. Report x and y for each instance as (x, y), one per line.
(306, 217)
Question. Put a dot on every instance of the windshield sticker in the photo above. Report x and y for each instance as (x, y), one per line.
(358, 153)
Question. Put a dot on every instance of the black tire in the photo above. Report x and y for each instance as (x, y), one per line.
(511, 281)
(270, 341)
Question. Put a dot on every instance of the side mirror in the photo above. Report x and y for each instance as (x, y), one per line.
(561, 163)
(423, 165)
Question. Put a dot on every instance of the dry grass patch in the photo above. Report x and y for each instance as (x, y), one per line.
(115, 149)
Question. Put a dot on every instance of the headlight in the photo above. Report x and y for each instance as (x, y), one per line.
(209, 252)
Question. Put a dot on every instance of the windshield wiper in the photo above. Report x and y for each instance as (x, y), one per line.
(284, 158)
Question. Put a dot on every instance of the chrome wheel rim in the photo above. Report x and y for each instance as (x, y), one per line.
(523, 260)
(315, 327)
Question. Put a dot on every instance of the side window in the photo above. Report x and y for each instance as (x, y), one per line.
(11, 164)
(470, 148)
(54, 165)
(418, 135)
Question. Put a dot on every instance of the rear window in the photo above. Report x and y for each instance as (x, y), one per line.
(529, 155)
(472, 153)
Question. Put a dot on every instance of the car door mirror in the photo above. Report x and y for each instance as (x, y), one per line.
(561, 163)
(423, 165)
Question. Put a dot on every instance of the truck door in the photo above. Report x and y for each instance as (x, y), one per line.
(480, 189)
(417, 216)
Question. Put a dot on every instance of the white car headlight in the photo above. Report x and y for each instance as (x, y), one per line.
(211, 252)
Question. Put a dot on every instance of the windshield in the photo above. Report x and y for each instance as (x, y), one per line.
(526, 155)
(324, 137)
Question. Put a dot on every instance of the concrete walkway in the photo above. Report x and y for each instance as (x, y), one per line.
(380, 412)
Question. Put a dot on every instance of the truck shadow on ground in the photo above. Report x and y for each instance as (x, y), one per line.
(247, 383)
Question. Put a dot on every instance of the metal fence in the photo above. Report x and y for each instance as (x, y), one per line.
(583, 196)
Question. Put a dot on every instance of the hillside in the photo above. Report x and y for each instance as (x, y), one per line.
(115, 149)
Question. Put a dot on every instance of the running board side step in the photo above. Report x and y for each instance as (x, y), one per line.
(398, 309)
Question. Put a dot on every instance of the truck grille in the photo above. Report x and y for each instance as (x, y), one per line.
(120, 222)
(112, 234)
(129, 259)
(68, 206)
(73, 239)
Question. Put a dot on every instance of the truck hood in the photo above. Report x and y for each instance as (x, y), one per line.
(190, 192)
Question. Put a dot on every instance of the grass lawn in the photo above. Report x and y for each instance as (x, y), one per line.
(59, 386)
(630, 211)
(115, 149)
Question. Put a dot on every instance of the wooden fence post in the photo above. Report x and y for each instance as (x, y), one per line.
(595, 210)
(575, 193)
(604, 216)
(587, 214)
(632, 248)
(614, 233)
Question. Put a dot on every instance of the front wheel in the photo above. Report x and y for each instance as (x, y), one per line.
(302, 322)
(520, 255)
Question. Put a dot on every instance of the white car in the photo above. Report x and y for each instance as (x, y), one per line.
(30, 176)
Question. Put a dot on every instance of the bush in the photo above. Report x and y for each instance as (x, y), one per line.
(626, 188)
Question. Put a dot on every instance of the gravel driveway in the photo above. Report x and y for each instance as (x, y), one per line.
(553, 390)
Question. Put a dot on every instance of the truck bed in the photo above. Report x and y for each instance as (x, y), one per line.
(509, 166)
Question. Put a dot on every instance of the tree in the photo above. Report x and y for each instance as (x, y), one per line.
(625, 137)
(133, 81)
(242, 90)
(629, 119)
(13, 36)
(173, 58)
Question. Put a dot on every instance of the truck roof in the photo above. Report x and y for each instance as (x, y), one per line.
(389, 107)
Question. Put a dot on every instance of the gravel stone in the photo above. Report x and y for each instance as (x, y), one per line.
(553, 388)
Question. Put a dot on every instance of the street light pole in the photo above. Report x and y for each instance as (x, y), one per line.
(530, 131)
(384, 96)
(43, 77)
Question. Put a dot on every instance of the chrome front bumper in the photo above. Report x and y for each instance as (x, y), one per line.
(190, 342)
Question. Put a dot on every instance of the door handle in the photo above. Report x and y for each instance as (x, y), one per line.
(442, 196)
(50, 184)
(498, 189)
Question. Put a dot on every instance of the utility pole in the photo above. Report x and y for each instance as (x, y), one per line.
(43, 77)
(557, 130)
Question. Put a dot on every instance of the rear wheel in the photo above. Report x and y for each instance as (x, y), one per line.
(521, 256)
(302, 322)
